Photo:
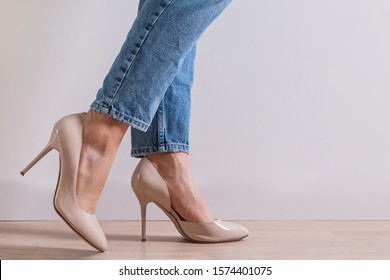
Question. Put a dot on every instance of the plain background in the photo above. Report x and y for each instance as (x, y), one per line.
(290, 114)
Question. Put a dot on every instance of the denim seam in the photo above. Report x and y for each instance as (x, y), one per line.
(164, 145)
(138, 46)
(139, 152)
(160, 124)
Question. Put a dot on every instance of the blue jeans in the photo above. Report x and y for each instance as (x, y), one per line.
(149, 83)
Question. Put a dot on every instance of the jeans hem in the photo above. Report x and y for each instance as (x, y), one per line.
(114, 113)
(141, 152)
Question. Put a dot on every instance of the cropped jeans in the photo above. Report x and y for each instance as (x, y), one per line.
(149, 84)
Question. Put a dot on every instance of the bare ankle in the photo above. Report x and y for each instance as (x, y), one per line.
(169, 160)
(104, 122)
(101, 139)
(102, 133)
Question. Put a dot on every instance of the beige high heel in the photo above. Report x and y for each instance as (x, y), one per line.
(67, 139)
(149, 186)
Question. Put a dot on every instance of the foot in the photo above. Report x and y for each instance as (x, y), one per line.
(186, 198)
(101, 138)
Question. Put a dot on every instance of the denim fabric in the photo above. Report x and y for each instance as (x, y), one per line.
(149, 83)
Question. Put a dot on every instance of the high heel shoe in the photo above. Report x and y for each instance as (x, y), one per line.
(149, 186)
(66, 138)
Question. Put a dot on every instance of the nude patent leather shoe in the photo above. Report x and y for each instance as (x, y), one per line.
(67, 139)
(149, 186)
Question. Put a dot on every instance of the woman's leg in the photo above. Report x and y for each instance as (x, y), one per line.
(162, 38)
(166, 145)
(101, 138)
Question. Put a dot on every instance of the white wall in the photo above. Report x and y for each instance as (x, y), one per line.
(291, 103)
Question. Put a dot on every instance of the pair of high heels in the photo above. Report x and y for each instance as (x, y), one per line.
(146, 182)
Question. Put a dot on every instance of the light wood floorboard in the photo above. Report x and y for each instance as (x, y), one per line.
(270, 240)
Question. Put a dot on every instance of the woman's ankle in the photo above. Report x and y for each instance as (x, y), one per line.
(101, 139)
(170, 162)
(186, 198)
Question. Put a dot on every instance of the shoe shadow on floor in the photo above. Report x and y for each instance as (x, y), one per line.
(152, 238)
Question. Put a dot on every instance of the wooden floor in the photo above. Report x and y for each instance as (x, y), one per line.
(270, 240)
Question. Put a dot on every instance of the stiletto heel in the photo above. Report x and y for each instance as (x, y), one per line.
(149, 186)
(67, 139)
(50, 146)
(143, 202)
